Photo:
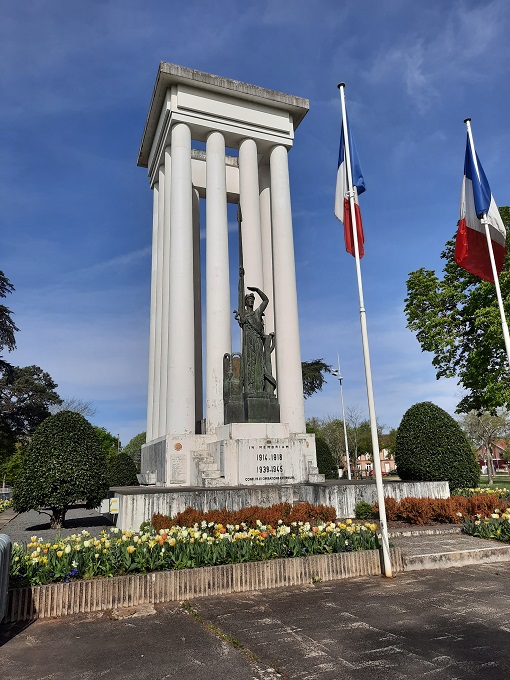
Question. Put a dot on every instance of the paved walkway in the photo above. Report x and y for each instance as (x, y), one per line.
(20, 527)
(443, 624)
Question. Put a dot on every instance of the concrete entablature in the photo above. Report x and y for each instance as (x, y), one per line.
(207, 102)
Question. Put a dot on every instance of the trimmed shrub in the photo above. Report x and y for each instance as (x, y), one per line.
(363, 510)
(122, 471)
(430, 446)
(446, 510)
(391, 506)
(301, 512)
(325, 459)
(451, 510)
(416, 510)
(64, 464)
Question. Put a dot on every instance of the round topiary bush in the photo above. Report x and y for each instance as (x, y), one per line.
(431, 447)
(325, 460)
(64, 464)
(122, 471)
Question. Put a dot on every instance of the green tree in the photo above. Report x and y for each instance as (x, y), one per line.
(359, 435)
(64, 464)
(430, 446)
(457, 319)
(11, 466)
(313, 373)
(332, 430)
(484, 430)
(26, 396)
(122, 471)
(134, 448)
(325, 460)
(109, 443)
(388, 442)
(7, 326)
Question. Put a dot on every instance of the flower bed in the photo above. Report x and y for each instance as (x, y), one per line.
(5, 505)
(114, 553)
(497, 526)
(478, 491)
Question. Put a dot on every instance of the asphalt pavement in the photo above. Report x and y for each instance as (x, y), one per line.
(446, 624)
(20, 527)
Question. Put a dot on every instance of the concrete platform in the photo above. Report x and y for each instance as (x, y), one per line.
(444, 547)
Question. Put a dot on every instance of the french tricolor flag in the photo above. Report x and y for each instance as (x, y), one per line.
(476, 201)
(342, 205)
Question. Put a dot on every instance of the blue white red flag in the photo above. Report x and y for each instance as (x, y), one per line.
(342, 204)
(476, 200)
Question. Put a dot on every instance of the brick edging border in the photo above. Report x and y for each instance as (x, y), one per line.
(102, 594)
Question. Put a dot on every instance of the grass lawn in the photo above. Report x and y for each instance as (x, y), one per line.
(500, 481)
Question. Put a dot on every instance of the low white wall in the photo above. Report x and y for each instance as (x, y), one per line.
(343, 497)
(139, 504)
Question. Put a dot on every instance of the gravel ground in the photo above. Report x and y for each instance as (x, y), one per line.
(32, 523)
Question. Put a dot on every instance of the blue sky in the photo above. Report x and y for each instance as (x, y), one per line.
(76, 212)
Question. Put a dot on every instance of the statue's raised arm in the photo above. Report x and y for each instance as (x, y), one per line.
(263, 297)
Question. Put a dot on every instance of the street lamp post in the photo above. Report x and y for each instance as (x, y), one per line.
(337, 374)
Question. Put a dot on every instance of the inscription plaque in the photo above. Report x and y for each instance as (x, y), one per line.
(178, 468)
(267, 464)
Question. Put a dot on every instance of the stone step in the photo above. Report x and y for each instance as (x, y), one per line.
(435, 551)
(202, 455)
(458, 558)
(202, 466)
(316, 478)
(210, 474)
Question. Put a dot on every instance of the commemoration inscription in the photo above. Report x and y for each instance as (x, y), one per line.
(268, 463)
(178, 468)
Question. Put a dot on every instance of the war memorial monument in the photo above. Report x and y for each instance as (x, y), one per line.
(244, 441)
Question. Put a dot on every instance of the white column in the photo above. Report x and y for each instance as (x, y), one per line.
(218, 313)
(165, 296)
(152, 331)
(181, 345)
(267, 250)
(250, 207)
(156, 407)
(198, 308)
(288, 358)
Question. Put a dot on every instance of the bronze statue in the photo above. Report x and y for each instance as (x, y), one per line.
(248, 382)
(256, 345)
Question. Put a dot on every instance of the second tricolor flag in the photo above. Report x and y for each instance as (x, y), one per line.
(476, 202)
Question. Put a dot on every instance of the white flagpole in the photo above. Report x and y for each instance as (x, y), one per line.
(484, 220)
(337, 374)
(366, 352)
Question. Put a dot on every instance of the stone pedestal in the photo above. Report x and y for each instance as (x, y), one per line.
(236, 454)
